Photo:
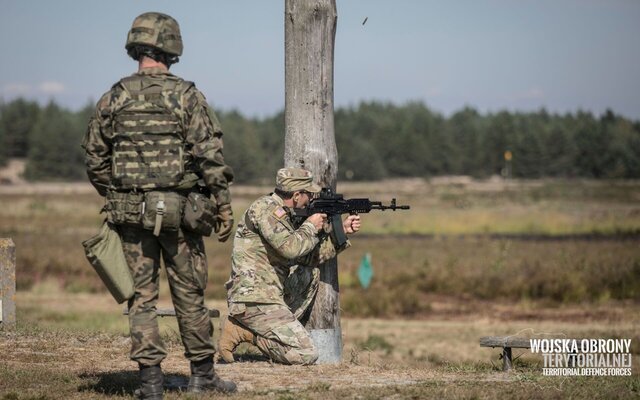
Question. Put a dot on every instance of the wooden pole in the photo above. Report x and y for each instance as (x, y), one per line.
(7, 284)
(310, 29)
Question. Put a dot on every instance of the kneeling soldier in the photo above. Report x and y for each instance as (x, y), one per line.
(268, 249)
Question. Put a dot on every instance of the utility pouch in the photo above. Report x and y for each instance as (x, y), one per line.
(104, 252)
(200, 214)
(124, 208)
(162, 211)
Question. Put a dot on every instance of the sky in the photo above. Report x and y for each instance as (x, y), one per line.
(518, 55)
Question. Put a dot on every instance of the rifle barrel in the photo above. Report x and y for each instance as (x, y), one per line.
(377, 205)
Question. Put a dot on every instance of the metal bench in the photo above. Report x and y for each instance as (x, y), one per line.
(507, 343)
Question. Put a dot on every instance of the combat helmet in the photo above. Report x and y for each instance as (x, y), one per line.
(156, 30)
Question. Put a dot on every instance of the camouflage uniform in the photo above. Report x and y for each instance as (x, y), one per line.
(202, 133)
(182, 251)
(273, 260)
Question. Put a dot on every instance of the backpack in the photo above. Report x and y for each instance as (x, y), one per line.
(148, 140)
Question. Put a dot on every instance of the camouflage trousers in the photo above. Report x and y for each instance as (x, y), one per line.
(280, 334)
(186, 265)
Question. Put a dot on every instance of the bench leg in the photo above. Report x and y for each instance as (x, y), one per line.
(572, 359)
(506, 359)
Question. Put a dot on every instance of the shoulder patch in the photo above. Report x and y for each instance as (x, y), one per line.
(279, 212)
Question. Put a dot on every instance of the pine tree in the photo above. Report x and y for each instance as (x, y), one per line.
(16, 121)
(54, 148)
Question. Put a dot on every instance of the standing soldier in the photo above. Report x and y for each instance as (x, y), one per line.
(274, 275)
(153, 146)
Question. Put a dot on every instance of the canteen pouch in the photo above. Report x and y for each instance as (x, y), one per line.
(124, 208)
(105, 254)
(162, 211)
(200, 214)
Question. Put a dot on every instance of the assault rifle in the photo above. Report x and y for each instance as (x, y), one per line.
(334, 205)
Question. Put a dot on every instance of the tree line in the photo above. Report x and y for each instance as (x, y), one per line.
(375, 140)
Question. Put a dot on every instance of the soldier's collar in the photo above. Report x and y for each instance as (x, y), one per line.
(277, 199)
(153, 71)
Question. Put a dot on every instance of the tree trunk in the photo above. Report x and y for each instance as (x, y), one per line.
(310, 28)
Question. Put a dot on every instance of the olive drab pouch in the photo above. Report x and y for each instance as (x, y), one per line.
(200, 213)
(124, 208)
(162, 211)
(105, 254)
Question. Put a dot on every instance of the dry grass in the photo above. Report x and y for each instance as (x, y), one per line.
(72, 340)
(49, 358)
(48, 223)
(409, 270)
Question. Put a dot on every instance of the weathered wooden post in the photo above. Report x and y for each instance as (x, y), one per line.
(7, 284)
(310, 28)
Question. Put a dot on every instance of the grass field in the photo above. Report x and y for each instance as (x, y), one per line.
(470, 259)
(76, 345)
(551, 241)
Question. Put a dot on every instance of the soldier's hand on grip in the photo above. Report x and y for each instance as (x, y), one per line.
(224, 224)
(351, 224)
(318, 220)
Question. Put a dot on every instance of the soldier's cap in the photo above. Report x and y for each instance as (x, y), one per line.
(296, 180)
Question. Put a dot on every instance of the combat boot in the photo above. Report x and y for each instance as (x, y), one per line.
(204, 379)
(151, 383)
(232, 335)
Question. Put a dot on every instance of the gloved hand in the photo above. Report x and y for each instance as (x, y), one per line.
(224, 222)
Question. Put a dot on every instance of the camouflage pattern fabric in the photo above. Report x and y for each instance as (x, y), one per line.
(147, 134)
(186, 265)
(280, 336)
(274, 278)
(201, 134)
(265, 248)
(172, 115)
(295, 179)
(300, 289)
(157, 30)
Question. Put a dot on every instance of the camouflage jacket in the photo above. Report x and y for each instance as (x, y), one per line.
(203, 157)
(265, 247)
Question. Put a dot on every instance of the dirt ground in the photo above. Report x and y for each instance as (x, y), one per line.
(77, 346)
